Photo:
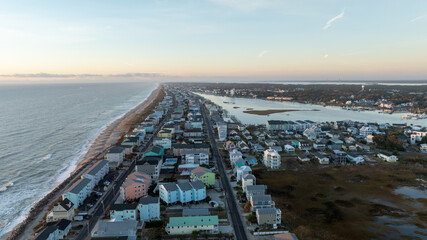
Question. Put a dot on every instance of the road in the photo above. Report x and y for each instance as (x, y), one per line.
(109, 196)
(238, 226)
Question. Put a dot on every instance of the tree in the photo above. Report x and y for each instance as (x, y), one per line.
(423, 140)
(247, 207)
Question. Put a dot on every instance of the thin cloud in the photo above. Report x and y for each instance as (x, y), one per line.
(50, 75)
(418, 18)
(246, 5)
(329, 23)
(261, 54)
(325, 56)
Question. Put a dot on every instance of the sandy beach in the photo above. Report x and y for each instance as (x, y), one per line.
(109, 136)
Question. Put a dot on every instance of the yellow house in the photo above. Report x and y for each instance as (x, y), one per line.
(167, 133)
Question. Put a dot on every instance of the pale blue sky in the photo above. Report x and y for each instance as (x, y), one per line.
(254, 39)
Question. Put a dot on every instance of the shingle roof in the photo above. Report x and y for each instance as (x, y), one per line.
(122, 207)
(190, 146)
(116, 149)
(266, 211)
(79, 185)
(256, 188)
(44, 234)
(257, 198)
(198, 185)
(66, 204)
(170, 187)
(185, 186)
(95, 168)
(148, 200)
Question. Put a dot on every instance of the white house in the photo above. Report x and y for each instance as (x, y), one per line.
(423, 147)
(124, 211)
(387, 157)
(417, 136)
(365, 131)
(165, 142)
(235, 155)
(248, 180)
(355, 158)
(96, 172)
(272, 159)
(196, 157)
(78, 192)
(149, 208)
(62, 210)
(222, 131)
(289, 148)
(116, 155)
(182, 192)
(241, 171)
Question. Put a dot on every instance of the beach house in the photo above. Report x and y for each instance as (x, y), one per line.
(116, 155)
(124, 211)
(135, 186)
(150, 165)
(96, 172)
(272, 159)
(78, 192)
(387, 157)
(62, 210)
(149, 208)
(186, 225)
(269, 216)
(204, 175)
(182, 192)
(261, 201)
(248, 180)
(241, 171)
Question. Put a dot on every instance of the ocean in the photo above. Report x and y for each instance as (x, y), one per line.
(45, 131)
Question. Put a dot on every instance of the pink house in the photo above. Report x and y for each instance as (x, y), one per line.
(135, 186)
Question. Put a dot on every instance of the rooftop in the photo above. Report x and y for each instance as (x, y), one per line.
(192, 221)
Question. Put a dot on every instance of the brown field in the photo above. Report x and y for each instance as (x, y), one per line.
(342, 202)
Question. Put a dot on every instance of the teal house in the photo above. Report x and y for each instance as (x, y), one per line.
(156, 151)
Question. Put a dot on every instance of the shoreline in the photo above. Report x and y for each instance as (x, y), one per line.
(110, 135)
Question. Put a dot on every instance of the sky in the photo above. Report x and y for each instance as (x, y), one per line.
(213, 40)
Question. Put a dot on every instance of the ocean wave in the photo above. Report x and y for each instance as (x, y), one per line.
(6, 186)
(65, 171)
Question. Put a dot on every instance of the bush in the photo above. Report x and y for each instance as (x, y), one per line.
(154, 224)
(251, 218)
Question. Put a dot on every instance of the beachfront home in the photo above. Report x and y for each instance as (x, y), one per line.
(96, 172)
(248, 180)
(78, 192)
(108, 229)
(182, 192)
(339, 156)
(54, 230)
(204, 175)
(186, 225)
(47, 233)
(116, 155)
(124, 211)
(149, 208)
(387, 157)
(272, 159)
(261, 201)
(135, 186)
(269, 216)
(132, 141)
(322, 158)
(62, 210)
